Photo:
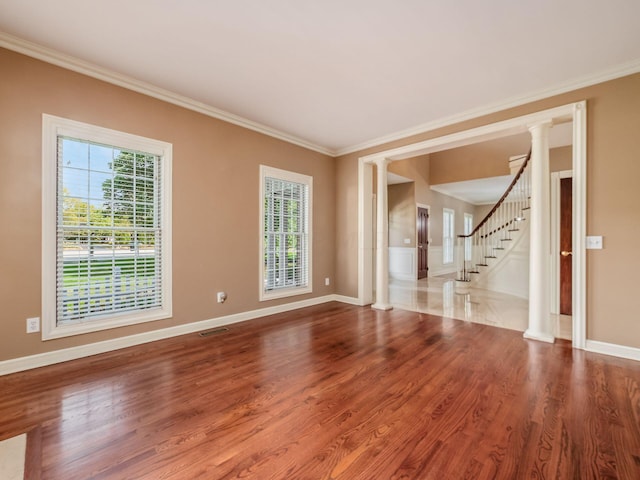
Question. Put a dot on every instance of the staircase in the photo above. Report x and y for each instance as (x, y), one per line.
(494, 236)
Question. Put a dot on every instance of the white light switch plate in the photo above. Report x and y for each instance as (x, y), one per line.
(594, 242)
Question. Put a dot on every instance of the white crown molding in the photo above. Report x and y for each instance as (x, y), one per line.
(57, 356)
(618, 71)
(54, 57)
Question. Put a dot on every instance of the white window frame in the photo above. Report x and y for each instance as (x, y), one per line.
(448, 238)
(468, 228)
(288, 176)
(53, 127)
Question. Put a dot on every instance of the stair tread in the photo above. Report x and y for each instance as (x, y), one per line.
(490, 256)
(482, 265)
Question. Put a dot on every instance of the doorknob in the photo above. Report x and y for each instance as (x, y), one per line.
(564, 253)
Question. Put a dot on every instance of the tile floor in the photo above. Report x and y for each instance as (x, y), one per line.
(438, 296)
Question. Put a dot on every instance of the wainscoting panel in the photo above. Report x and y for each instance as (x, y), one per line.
(435, 262)
(403, 263)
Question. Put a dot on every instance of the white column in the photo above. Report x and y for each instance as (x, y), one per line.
(382, 238)
(540, 240)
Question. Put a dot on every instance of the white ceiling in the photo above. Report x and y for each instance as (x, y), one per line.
(395, 179)
(482, 191)
(340, 74)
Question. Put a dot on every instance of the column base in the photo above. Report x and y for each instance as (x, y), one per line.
(541, 337)
(382, 306)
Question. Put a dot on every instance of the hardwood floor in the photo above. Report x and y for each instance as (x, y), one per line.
(334, 391)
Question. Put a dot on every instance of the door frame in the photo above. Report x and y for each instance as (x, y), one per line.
(428, 208)
(574, 112)
(555, 237)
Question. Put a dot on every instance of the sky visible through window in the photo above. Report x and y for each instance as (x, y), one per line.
(80, 157)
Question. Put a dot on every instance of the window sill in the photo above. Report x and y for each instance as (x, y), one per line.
(285, 292)
(53, 331)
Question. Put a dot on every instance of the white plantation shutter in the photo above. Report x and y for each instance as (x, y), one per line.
(109, 245)
(286, 223)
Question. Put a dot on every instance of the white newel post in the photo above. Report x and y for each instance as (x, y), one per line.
(382, 238)
(540, 229)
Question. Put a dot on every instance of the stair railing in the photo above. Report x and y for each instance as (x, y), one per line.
(476, 249)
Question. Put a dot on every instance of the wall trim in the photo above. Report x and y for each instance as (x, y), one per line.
(69, 62)
(74, 64)
(489, 131)
(57, 356)
(612, 349)
(20, 364)
(602, 76)
(347, 300)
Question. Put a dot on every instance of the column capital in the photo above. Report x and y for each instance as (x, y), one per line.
(380, 161)
(539, 126)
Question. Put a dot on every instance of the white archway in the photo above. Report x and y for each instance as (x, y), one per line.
(574, 112)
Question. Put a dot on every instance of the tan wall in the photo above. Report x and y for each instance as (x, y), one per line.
(479, 212)
(561, 158)
(489, 159)
(419, 170)
(215, 198)
(402, 215)
(481, 160)
(438, 202)
(613, 170)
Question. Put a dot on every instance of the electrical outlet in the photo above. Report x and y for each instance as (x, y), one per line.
(327, 281)
(33, 325)
(222, 296)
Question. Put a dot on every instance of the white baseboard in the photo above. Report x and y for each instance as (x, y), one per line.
(612, 349)
(442, 270)
(57, 356)
(349, 300)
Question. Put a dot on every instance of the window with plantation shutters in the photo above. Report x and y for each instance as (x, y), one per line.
(286, 229)
(106, 223)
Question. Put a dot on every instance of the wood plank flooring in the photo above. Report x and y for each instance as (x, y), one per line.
(333, 392)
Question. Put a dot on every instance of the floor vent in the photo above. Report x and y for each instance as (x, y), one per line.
(215, 331)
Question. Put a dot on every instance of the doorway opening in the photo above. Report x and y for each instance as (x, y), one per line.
(562, 252)
(575, 113)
